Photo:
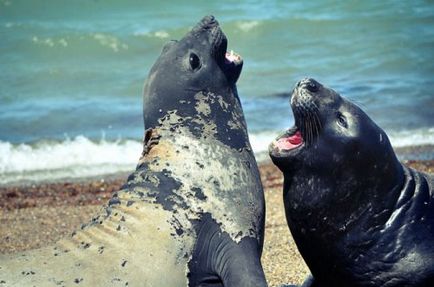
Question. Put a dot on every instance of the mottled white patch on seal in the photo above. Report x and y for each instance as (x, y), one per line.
(202, 104)
(215, 169)
(228, 178)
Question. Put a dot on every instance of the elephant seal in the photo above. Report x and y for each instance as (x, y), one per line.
(358, 216)
(192, 214)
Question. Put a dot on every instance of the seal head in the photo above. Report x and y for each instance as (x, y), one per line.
(332, 136)
(327, 125)
(198, 64)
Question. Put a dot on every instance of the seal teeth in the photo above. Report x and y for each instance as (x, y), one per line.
(232, 57)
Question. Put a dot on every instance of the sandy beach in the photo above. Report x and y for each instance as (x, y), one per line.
(37, 215)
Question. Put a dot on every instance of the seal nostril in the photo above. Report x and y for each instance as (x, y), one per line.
(312, 86)
(206, 23)
(209, 21)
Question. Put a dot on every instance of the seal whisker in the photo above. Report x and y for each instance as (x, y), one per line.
(312, 128)
(308, 122)
(302, 124)
(317, 121)
(308, 129)
(297, 119)
(317, 125)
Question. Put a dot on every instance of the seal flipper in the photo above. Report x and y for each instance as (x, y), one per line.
(240, 264)
(219, 261)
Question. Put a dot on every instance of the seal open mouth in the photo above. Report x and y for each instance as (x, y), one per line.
(232, 58)
(307, 120)
(230, 62)
(290, 140)
(232, 66)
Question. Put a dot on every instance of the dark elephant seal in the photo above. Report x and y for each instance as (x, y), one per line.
(192, 214)
(358, 216)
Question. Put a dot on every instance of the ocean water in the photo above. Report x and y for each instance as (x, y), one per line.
(72, 72)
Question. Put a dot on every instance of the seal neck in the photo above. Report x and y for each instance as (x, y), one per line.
(178, 143)
(343, 202)
(415, 189)
(228, 128)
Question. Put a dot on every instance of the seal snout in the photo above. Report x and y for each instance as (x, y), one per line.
(207, 23)
(209, 28)
(306, 113)
(230, 62)
(309, 84)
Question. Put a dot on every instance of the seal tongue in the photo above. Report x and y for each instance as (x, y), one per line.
(290, 142)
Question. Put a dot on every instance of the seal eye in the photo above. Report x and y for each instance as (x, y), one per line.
(342, 121)
(194, 62)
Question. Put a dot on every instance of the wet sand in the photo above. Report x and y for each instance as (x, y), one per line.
(33, 216)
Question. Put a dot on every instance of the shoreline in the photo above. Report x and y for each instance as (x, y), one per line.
(39, 214)
(51, 176)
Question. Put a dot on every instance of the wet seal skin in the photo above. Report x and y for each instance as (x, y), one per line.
(358, 216)
(192, 214)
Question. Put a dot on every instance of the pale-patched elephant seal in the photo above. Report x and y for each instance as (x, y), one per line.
(192, 214)
(358, 216)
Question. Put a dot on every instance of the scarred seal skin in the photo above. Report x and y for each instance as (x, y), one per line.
(358, 216)
(192, 214)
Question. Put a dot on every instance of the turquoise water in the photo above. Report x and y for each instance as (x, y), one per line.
(73, 72)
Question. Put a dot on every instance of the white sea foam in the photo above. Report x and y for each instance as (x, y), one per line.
(260, 142)
(161, 34)
(247, 26)
(46, 41)
(81, 157)
(110, 41)
(423, 136)
(76, 158)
